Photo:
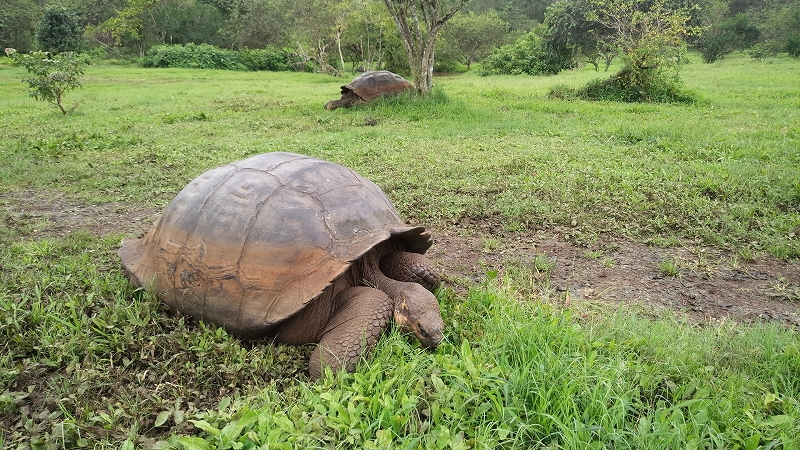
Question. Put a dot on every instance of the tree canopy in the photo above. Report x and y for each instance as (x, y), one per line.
(59, 31)
(473, 36)
(405, 36)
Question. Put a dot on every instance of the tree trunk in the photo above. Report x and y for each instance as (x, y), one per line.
(339, 45)
(419, 22)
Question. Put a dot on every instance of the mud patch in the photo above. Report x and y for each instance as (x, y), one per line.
(708, 284)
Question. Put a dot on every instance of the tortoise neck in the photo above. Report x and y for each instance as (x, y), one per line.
(369, 273)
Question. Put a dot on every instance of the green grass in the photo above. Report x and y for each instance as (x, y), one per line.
(87, 361)
(531, 377)
(724, 172)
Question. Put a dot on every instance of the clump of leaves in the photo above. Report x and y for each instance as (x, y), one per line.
(650, 37)
(51, 76)
(638, 86)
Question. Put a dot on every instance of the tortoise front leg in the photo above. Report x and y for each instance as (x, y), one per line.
(411, 267)
(361, 315)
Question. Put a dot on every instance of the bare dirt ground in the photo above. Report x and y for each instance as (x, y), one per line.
(711, 284)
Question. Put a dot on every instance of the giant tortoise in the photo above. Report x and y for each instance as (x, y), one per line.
(368, 86)
(294, 247)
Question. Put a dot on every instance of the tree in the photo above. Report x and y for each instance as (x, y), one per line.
(366, 31)
(59, 31)
(473, 36)
(258, 23)
(419, 23)
(18, 23)
(571, 27)
(783, 28)
(650, 37)
(316, 32)
(51, 77)
(521, 14)
(527, 55)
(570, 34)
(126, 26)
(735, 33)
(184, 22)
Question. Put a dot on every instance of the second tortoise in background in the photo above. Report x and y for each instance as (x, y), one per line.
(369, 86)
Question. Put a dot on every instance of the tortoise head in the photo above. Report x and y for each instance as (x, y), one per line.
(417, 310)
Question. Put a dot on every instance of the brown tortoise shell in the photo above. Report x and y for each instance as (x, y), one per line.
(249, 244)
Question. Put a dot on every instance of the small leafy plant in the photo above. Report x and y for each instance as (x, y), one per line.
(669, 267)
(51, 76)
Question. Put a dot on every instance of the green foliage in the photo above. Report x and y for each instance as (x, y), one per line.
(750, 27)
(181, 22)
(191, 56)
(783, 29)
(270, 58)
(650, 37)
(571, 33)
(204, 56)
(763, 50)
(258, 23)
(637, 86)
(737, 33)
(369, 37)
(472, 36)
(124, 28)
(18, 20)
(525, 56)
(59, 31)
(51, 76)
(520, 375)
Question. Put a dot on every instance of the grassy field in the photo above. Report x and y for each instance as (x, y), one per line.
(87, 361)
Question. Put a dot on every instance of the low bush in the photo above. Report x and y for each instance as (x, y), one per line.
(526, 56)
(51, 76)
(637, 86)
(192, 56)
(270, 58)
(629, 86)
(793, 46)
(204, 56)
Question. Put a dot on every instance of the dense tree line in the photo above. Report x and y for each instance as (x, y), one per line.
(517, 36)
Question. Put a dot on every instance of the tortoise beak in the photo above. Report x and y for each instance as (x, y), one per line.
(429, 330)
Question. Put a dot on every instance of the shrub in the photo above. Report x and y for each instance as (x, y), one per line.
(445, 64)
(525, 56)
(204, 56)
(269, 58)
(650, 37)
(783, 28)
(793, 46)
(737, 33)
(59, 31)
(763, 50)
(637, 86)
(51, 77)
(191, 56)
(629, 86)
